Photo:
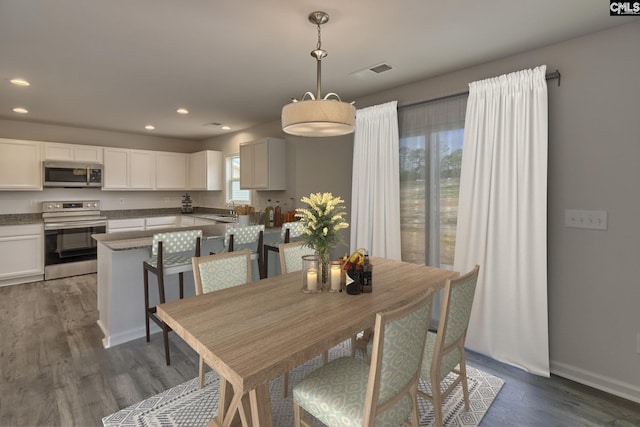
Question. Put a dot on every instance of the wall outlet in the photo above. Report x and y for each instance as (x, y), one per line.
(593, 220)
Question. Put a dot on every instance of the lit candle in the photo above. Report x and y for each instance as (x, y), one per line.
(312, 280)
(335, 277)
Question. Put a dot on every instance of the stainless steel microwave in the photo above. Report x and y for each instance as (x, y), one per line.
(72, 174)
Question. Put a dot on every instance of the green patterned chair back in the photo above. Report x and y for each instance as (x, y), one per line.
(220, 271)
(244, 236)
(446, 348)
(291, 256)
(296, 229)
(175, 241)
(399, 338)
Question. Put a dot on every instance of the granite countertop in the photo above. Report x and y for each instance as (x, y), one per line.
(126, 240)
(21, 219)
(141, 239)
(145, 213)
(35, 218)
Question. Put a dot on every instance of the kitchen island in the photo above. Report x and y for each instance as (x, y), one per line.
(120, 278)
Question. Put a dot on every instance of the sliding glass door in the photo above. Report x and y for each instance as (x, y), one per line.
(431, 142)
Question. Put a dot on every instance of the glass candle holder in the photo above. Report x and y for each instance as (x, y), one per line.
(335, 276)
(311, 274)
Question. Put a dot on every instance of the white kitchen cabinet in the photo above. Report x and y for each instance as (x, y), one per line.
(20, 165)
(126, 224)
(126, 169)
(205, 170)
(161, 222)
(22, 249)
(263, 164)
(72, 152)
(171, 171)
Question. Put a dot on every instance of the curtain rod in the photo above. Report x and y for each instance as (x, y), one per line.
(549, 76)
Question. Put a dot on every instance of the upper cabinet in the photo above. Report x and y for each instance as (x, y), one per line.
(72, 152)
(205, 170)
(125, 169)
(20, 165)
(263, 164)
(171, 170)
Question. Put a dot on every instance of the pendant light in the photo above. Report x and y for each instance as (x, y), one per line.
(315, 116)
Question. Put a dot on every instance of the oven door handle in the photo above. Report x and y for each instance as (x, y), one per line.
(73, 224)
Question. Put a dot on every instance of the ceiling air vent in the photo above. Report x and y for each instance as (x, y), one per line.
(380, 68)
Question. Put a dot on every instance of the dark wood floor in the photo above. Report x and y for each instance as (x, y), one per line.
(55, 372)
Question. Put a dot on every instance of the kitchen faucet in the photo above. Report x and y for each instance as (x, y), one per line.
(232, 204)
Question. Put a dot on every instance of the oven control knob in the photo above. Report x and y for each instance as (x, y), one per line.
(50, 206)
(58, 206)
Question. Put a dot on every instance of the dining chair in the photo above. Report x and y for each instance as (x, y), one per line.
(290, 232)
(171, 253)
(247, 237)
(291, 260)
(220, 271)
(291, 255)
(444, 350)
(348, 391)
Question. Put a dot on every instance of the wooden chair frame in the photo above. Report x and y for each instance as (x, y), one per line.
(440, 351)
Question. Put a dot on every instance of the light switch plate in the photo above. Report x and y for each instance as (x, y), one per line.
(593, 220)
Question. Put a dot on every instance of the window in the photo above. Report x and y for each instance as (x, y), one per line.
(431, 140)
(234, 193)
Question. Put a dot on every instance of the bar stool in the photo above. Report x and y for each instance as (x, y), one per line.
(247, 237)
(168, 256)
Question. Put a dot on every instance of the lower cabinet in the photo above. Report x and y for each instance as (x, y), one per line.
(22, 249)
(128, 224)
(161, 222)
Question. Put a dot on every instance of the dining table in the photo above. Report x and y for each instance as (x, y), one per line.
(253, 333)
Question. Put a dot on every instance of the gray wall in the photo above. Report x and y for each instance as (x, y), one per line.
(594, 154)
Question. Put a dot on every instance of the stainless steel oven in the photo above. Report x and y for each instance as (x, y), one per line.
(69, 249)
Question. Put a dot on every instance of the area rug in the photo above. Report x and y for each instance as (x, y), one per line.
(186, 405)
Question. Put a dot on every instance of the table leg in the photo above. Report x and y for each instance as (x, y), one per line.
(233, 408)
(260, 404)
(228, 414)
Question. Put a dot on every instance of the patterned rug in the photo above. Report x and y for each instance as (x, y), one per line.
(186, 405)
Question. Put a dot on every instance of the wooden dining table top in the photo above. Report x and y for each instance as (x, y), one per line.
(252, 333)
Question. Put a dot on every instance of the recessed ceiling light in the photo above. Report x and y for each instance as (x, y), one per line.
(182, 111)
(20, 82)
(20, 110)
(225, 127)
(150, 127)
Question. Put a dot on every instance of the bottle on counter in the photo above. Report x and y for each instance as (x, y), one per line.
(277, 215)
(367, 275)
(268, 216)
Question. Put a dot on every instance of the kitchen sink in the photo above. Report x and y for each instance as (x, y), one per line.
(219, 218)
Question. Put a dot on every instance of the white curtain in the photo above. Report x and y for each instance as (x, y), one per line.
(375, 188)
(502, 218)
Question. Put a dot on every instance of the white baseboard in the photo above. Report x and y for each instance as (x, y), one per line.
(126, 336)
(612, 386)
